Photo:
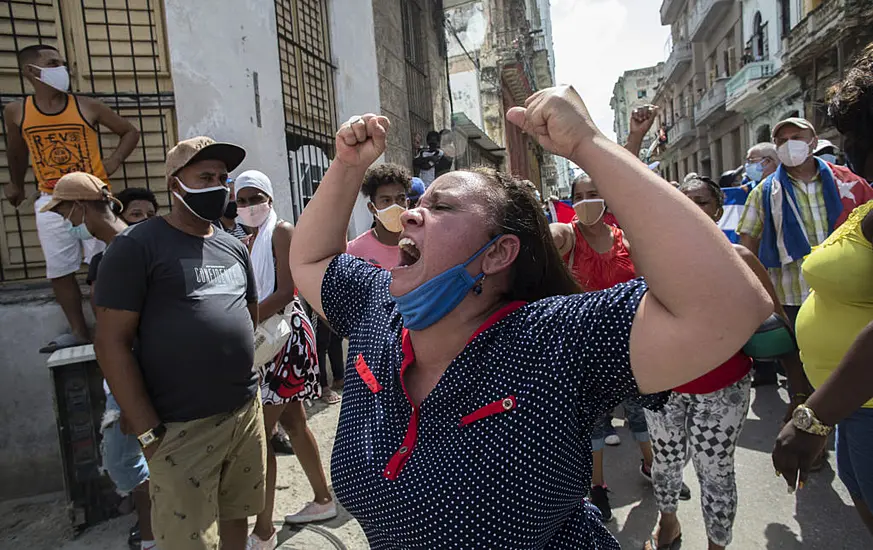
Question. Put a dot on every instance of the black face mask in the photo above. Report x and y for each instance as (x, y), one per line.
(207, 204)
(230, 210)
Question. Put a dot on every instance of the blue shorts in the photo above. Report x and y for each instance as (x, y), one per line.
(636, 419)
(122, 456)
(854, 449)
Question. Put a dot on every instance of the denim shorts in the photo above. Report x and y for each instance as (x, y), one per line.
(854, 449)
(636, 418)
(122, 456)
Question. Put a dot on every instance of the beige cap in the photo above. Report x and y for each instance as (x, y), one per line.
(79, 186)
(793, 121)
(203, 148)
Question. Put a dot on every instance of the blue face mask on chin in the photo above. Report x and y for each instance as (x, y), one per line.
(433, 300)
(80, 231)
(755, 171)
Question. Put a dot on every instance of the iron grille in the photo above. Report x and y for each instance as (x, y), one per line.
(417, 85)
(307, 93)
(117, 53)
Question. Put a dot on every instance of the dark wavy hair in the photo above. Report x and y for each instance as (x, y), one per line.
(127, 196)
(385, 174)
(696, 181)
(850, 107)
(538, 271)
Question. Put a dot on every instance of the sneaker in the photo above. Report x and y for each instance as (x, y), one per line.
(600, 499)
(281, 444)
(612, 439)
(254, 542)
(645, 471)
(685, 492)
(313, 512)
(134, 539)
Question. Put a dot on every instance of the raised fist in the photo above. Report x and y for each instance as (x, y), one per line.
(558, 118)
(361, 140)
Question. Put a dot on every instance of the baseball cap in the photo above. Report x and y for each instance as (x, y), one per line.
(793, 121)
(79, 186)
(416, 190)
(823, 145)
(203, 148)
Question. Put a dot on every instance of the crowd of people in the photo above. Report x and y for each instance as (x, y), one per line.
(487, 347)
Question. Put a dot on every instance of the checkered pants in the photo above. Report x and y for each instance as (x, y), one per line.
(710, 425)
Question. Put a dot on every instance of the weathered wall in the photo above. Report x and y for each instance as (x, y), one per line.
(30, 459)
(353, 43)
(214, 56)
(388, 24)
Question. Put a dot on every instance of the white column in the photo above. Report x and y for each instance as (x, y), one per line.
(216, 56)
(353, 43)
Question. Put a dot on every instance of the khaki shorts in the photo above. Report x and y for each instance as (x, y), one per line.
(205, 471)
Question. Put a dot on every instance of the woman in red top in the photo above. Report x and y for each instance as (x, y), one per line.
(599, 257)
(706, 414)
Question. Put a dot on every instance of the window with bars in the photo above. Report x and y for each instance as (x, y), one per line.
(417, 85)
(116, 52)
(307, 92)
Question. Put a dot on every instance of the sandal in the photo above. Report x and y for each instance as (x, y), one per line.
(652, 543)
(62, 342)
(330, 397)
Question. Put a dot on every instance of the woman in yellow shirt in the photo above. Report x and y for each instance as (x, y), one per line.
(839, 308)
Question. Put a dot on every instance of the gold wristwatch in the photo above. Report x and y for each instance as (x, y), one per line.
(804, 419)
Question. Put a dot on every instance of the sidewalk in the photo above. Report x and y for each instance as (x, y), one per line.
(820, 517)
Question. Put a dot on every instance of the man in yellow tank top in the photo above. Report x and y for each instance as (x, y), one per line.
(58, 132)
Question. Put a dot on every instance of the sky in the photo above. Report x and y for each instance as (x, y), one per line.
(597, 40)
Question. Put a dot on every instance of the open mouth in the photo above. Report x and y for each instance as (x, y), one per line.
(409, 253)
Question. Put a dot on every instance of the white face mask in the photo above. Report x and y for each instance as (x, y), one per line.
(56, 77)
(254, 215)
(794, 152)
(590, 211)
(390, 217)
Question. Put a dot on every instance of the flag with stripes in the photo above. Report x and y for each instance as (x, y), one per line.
(734, 203)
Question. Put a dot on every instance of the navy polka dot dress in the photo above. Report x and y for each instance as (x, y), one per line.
(498, 455)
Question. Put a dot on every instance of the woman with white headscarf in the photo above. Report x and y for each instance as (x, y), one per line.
(292, 375)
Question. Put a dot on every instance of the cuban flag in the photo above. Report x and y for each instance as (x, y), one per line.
(560, 212)
(734, 203)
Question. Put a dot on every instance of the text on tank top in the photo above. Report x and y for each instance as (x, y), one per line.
(61, 143)
(595, 271)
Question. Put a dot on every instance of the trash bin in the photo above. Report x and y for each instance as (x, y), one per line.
(79, 403)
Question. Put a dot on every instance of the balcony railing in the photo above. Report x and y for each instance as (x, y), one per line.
(705, 15)
(712, 102)
(670, 11)
(831, 14)
(680, 58)
(746, 81)
(681, 131)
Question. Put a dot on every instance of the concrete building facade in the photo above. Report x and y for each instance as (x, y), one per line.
(500, 52)
(278, 79)
(635, 88)
(746, 65)
(705, 50)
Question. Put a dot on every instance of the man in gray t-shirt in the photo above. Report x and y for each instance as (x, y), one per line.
(185, 292)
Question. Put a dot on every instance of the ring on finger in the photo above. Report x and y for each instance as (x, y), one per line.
(355, 120)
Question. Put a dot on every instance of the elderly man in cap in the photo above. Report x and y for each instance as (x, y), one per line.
(792, 210)
(176, 307)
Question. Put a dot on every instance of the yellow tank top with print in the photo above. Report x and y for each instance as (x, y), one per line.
(61, 143)
(840, 273)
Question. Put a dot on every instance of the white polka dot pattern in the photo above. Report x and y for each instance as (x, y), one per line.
(516, 479)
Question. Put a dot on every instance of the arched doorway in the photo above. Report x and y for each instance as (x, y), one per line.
(762, 134)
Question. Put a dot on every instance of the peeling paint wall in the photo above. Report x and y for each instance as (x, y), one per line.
(353, 43)
(214, 56)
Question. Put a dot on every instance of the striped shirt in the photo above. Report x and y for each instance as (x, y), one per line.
(788, 281)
